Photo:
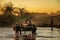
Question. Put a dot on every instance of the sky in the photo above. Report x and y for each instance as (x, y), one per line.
(36, 5)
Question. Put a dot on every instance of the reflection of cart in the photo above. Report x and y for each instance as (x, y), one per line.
(31, 36)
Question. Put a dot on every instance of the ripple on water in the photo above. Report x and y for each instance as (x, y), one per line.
(40, 32)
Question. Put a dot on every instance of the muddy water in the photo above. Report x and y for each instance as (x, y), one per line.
(41, 34)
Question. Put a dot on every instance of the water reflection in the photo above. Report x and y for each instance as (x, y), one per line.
(41, 34)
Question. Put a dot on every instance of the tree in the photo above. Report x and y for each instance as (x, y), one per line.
(9, 8)
(22, 11)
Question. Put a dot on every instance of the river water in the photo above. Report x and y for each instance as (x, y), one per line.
(41, 33)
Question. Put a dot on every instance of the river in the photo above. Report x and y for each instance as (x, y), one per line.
(41, 33)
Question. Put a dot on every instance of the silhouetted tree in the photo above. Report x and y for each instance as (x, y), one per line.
(9, 8)
(52, 24)
(21, 11)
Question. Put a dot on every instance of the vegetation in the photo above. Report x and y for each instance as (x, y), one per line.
(7, 20)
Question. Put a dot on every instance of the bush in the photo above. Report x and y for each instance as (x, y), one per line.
(7, 20)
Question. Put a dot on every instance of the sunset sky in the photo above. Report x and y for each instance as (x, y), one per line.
(36, 5)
